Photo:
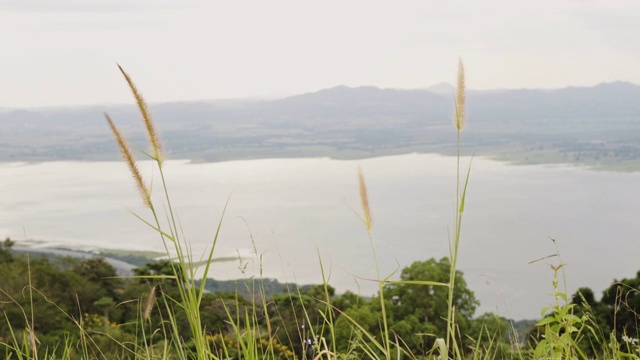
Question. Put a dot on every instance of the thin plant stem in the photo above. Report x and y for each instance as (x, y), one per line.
(460, 194)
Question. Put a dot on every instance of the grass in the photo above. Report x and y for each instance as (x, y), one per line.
(256, 333)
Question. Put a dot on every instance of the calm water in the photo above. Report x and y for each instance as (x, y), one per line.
(295, 209)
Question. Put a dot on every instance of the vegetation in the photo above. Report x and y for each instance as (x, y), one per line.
(66, 308)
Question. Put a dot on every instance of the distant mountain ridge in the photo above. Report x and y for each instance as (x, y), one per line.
(345, 122)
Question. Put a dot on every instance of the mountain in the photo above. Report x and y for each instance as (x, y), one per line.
(591, 125)
(604, 100)
(442, 88)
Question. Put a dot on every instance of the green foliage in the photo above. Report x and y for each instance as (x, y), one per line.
(49, 301)
(81, 301)
(419, 311)
(622, 299)
(489, 336)
(561, 329)
(5, 251)
(299, 317)
(246, 287)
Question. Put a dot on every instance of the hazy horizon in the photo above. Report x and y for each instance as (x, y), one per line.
(266, 97)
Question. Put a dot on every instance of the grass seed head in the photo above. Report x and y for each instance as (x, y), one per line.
(152, 134)
(128, 158)
(460, 97)
(149, 304)
(365, 200)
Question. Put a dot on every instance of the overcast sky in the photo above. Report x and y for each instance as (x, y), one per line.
(63, 52)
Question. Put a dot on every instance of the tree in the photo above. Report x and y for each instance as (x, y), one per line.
(100, 273)
(348, 333)
(422, 309)
(622, 300)
(35, 292)
(91, 280)
(5, 251)
(346, 301)
(300, 317)
(162, 270)
(492, 335)
(596, 316)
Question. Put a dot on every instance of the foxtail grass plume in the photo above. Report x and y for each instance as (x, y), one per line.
(365, 200)
(146, 314)
(460, 97)
(133, 168)
(154, 139)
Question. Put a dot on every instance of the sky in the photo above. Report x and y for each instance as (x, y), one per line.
(64, 52)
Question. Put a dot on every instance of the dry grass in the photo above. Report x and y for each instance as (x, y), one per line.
(365, 200)
(143, 190)
(154, 139)
(460, 98)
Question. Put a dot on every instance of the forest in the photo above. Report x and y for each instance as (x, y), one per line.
(83, 301)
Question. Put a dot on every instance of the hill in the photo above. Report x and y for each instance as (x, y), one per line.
(595, 126)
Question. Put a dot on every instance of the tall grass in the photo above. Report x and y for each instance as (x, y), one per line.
(449, 344)
(184, 270)
(184, 273)
(454, 246)
(190, 296)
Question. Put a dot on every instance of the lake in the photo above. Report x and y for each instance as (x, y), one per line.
(293, 212)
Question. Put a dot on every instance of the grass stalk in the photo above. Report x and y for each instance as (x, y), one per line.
(367, 221)
(459, 209)
(183, 268)
(329, 318)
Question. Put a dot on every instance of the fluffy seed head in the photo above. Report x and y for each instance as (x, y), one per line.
(128, 158)
(460, 97)
(365, 200)
(152, 134)
(149, 304)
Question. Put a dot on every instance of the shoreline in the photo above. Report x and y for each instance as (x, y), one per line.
(122, 268)
(514, 158)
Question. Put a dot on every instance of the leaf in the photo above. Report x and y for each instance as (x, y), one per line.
(417, 282)
(545, 321)
(572, 329)
(544, 311)
(442, 348)
(573, 318)
(464, 189)
(561, 295)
